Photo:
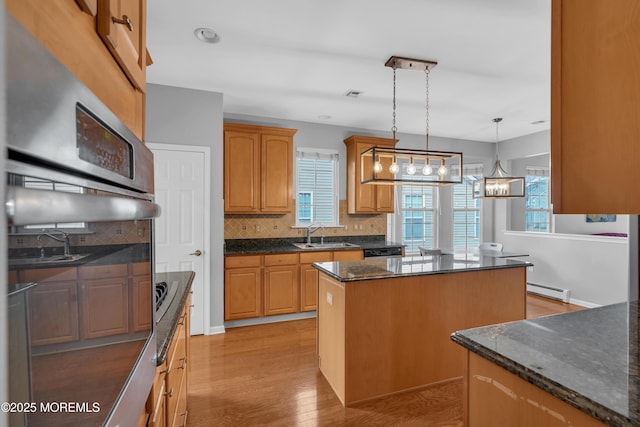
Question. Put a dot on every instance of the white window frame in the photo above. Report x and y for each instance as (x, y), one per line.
(538, 171)
(320, 152)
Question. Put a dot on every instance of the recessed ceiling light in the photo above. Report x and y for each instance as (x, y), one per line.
(206, 35)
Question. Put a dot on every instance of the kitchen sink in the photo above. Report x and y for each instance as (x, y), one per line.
(53, 259)
(328, 245)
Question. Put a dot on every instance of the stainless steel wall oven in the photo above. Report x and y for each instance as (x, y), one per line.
(79, 204)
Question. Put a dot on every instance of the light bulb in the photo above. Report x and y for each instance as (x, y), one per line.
(394, 168)
(427, 170)
(411, 169)
(377, 167)
(442, 170)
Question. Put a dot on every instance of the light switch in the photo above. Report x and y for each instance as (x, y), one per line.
(329, 298)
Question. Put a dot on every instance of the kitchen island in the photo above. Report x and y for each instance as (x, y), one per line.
(384, 323)
(580, 368)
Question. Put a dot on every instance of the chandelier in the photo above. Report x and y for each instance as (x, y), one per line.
(400, 166)
(499, 184)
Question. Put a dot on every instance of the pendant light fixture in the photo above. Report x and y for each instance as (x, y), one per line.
(398, 166)
(499, 184)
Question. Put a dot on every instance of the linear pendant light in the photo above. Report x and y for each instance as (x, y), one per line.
(499, 184)
(399, 166)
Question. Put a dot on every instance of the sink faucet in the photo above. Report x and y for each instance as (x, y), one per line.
(312, 229)
(64, 239)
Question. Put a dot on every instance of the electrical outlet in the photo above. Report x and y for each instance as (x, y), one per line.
(257, 228)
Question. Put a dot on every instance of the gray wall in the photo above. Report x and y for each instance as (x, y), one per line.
(193, 117)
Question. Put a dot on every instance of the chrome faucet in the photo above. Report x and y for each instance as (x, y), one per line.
(64, 239)
(312, 229)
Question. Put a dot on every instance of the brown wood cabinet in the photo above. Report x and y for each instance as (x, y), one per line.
(54, 305)
(122, 26)
(264, 285)
(281, 284)
(499, 398)
(71, 36)
(140, 296)
(258, 169)
(242, 287)
(366, 198)
(595, 106)
(104, 300)
(167, 401)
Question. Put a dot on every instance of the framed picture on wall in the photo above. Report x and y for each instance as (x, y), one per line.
(600, 218)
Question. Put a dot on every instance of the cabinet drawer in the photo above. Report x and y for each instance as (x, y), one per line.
(139, 269)
(280, 259)
(103, 271)
(311, 257)
(49, 274)
(242, 261)
(348, 255)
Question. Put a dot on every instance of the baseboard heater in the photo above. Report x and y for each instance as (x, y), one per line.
(549, 292)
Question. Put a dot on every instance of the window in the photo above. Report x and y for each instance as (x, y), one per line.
(417, 213)
(466, 214)
(42, 184)
(538, 210)
(317, 186)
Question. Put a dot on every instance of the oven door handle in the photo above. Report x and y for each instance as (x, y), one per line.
(26, 206)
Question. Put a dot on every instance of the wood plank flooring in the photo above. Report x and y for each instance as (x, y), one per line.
(267, 375)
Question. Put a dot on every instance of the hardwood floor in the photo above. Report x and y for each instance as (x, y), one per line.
(267, 375)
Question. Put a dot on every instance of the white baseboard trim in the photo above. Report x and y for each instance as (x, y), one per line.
(582, 303)
(215, 330)
(269, 319)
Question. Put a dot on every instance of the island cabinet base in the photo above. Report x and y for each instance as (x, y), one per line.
(382, 336)
(496, 397)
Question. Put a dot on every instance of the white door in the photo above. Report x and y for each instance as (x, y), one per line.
(181, 231)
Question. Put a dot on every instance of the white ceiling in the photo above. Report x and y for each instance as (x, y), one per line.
(296, 59)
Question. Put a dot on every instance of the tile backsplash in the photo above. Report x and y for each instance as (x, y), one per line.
(274, 226)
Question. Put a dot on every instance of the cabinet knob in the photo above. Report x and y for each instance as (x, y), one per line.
(169, 393)
(196, 253)
(124, 21)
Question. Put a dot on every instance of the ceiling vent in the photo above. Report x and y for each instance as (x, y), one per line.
(353, 93)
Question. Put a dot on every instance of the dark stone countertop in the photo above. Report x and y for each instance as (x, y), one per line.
(95, 255)
(264, 246)
(393, 267)
(589, 358)
(167, 325)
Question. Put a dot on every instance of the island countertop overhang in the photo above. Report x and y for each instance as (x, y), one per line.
(395, 267)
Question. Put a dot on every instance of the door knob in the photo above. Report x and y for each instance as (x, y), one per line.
(196, 253)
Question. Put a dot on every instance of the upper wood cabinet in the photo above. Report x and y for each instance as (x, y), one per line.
(71, 35)
(122, 26)
(366, 198)
(258, 169)
(595, 106)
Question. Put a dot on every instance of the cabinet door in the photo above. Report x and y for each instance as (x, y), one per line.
(140, 303)
(365, 194)
(384, 194)
(241, 172)
(54, 313)
(595, 105)
(242, 293)
(281, 290)
(104, 307)
(277, 178)
(355, 255)
(121, 25)
(308, 288)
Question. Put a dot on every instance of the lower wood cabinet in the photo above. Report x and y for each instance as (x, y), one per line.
(54, 305)
(140, 296)
(283, 283)
(104, 300)
(167, 402)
